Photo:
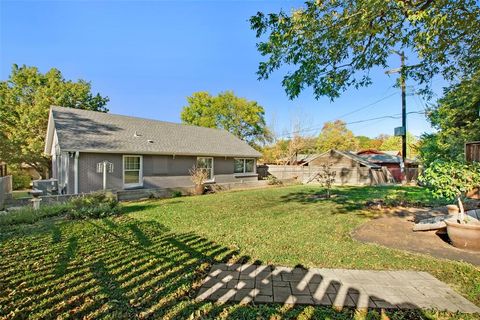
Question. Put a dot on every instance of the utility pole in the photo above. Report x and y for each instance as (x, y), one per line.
(403, 76)
(404, 106)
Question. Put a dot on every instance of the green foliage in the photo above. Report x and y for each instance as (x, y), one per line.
(25, 100)
(365, 142)
(94, 205)
(272, 180)
(28, 215)
(336, 135)
(21, 181)
(176, 194)
(395, 143)
(456, 118)
(239, 116)
(326, 177)
(331, 45)
(451, 179)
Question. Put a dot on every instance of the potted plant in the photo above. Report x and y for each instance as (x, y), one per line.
(198, 177)
(453, 180)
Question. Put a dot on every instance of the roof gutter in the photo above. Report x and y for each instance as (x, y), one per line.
(166, 153)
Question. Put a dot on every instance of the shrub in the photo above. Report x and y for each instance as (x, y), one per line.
(28, 215)
(94, 205)
(452, 180)
(198, 175)
(21, 181)
(176, 194)
(272, 180)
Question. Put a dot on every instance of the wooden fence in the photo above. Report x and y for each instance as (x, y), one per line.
(472, 151)
(354, 176)
(5, 189)
(306, 174)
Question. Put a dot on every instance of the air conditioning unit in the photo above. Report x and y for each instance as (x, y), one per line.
(48, 186)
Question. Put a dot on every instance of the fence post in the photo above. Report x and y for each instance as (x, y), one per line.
(5, 187)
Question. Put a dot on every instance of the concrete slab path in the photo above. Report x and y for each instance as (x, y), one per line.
(246, 283)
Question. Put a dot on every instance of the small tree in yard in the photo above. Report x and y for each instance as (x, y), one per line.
(326, 177)
(198, 177)
(452, 180)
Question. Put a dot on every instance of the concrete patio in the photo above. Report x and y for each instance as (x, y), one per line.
(331, 287)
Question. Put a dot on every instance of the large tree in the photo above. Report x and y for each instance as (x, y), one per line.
(243, 118)
(336, 135)
(25, 100)
(331, 45)
(456, 116)
(394, 143)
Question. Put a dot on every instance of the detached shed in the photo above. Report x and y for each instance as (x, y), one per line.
(351, 169)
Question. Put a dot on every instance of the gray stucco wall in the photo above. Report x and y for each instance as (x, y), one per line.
(159, 171)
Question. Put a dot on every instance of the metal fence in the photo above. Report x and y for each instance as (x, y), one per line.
(5, 189)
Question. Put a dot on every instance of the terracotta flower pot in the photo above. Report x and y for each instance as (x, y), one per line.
(453, 209)
(464, 236)
(199, 188)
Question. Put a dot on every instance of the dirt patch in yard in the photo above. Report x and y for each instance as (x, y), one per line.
(394, 229)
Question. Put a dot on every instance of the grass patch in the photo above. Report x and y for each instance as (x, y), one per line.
(148, 262)
(21, 194)
(28, 215)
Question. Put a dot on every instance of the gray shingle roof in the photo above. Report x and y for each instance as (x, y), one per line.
(90, 131)
(380, 158)
(359, 159)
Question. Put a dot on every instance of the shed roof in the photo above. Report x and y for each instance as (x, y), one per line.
(349, 155)
(381, 158)
(91, 131)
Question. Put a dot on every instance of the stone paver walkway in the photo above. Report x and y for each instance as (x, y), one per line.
(337, 287)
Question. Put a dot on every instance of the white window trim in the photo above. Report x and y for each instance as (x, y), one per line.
(241, 174)
(212, 179)
(140, 178)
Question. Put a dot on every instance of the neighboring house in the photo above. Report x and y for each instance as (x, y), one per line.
(144, 153)
(389, 159)
(392, 160)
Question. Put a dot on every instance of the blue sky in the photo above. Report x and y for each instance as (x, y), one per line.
(149, 56)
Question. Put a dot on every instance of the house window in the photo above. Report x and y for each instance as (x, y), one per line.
(244, 166)
(207, 165)
(132, 171)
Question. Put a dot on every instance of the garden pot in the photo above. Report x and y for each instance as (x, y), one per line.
(199, 188)
(452, 209)
(464, 236)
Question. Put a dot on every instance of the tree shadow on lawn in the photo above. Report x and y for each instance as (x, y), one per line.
(122, 269)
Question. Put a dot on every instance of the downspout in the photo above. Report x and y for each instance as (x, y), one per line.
(75, 170)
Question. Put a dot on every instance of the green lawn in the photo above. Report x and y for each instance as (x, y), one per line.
(149, 261)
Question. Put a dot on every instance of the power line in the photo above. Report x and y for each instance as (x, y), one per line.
(394, 116)
(366, 106)
(317, 127)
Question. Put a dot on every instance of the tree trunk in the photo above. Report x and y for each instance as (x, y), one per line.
(461, 216)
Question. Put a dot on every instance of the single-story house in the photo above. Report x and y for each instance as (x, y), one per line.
(141, 153)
